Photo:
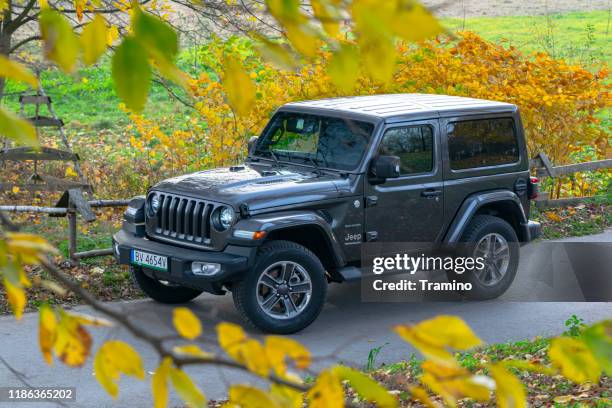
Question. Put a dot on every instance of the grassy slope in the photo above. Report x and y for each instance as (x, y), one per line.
(578, 37)
(88, 98)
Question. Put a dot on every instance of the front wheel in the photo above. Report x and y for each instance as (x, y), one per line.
(161, 291)
(285, 291)
(494, 240)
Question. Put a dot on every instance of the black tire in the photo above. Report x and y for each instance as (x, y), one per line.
(162, 293)
(477, 229)
(245, 292)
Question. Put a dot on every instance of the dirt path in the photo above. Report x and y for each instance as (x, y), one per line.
(479, 8)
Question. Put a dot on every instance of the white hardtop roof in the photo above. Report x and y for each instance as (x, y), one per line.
(399, 106)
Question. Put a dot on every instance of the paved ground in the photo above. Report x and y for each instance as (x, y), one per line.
(346, 331)
(479, 8)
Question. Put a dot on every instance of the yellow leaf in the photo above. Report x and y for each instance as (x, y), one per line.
(112, 35)
(529, 366)
(366, 387)
(303, 39)
(15, 71)
(288, 397)
(113, 359)
(254, 357)
(15, 189)
(327, 15)
(94, 40)
(70, 172)
(275, 53)
(239, 88)
(186, 389)
(17, 129)
(553, 216)
(246, 396)
(29, 247)
(277, 348)
(231, 336)
(344, 68)
(575, 359)
(16, 298)
(378, 57)
(432, 337)
(47, 331)
(73, 343)
(61, 45)
(509, 392)
(186, 323)
(327, 391)
(159, 383)
(413, 22)
(452, 382)
(421, 395)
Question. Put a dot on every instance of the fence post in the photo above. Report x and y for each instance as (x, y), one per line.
(72, 234)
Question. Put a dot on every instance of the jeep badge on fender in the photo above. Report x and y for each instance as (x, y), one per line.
(275, 231)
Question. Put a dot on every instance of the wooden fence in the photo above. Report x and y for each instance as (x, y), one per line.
(542, 167)
(72, 203)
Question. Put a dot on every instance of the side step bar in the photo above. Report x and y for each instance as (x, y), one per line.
(350, 273)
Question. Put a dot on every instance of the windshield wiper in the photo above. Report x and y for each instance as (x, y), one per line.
(275, 157)
(315, 165)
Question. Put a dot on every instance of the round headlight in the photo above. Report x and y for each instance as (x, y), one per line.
(154, 203)
(226, 217)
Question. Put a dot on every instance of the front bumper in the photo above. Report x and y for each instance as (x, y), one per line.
(234, 261)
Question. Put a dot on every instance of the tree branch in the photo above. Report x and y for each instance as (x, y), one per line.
(142, 334)
(24, 42)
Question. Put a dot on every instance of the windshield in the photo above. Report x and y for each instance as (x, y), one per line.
(311, 139)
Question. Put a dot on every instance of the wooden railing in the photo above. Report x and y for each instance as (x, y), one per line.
(544, 168)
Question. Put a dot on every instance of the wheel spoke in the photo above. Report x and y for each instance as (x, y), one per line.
(268, 281)
(300, 287)
(270, 302)
(287, 271)
(289, 305)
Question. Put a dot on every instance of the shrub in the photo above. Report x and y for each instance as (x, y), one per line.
(558, 102)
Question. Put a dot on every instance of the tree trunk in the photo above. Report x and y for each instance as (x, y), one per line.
(5, 40)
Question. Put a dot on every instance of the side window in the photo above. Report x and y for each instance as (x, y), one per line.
(481, 143)
(413, 145)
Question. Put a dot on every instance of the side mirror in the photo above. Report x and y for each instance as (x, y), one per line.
(385, 167)
(251, 145)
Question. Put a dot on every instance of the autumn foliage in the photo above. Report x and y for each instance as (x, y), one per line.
(558, 102)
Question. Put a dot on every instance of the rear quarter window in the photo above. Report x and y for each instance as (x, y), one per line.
(482, 143)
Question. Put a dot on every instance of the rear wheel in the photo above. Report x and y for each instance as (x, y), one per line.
(162, 291)
(285, 291)
(494, 240)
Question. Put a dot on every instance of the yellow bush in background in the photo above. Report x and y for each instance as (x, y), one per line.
(558, 102)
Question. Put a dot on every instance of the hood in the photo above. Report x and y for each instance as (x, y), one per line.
(257, 186)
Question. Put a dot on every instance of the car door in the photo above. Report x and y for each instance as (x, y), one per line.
(408, 208)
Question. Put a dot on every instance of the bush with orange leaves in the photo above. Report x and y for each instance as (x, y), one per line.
(558, 102)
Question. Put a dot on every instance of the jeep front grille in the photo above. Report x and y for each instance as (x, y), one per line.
(184, 219)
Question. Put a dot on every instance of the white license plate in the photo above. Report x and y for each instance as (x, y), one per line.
(149, 260)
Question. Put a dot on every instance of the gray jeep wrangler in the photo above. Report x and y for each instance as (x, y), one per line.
(324, 178)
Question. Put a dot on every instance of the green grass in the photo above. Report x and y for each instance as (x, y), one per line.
(578, 37)
(88, 98)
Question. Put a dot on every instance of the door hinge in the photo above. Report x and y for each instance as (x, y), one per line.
(371, 201)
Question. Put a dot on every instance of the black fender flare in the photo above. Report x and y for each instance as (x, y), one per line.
(474, 202)
(286, 220)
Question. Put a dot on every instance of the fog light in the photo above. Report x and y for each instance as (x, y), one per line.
(205, 268)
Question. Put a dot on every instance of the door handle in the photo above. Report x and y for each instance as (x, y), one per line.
(431, 193)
